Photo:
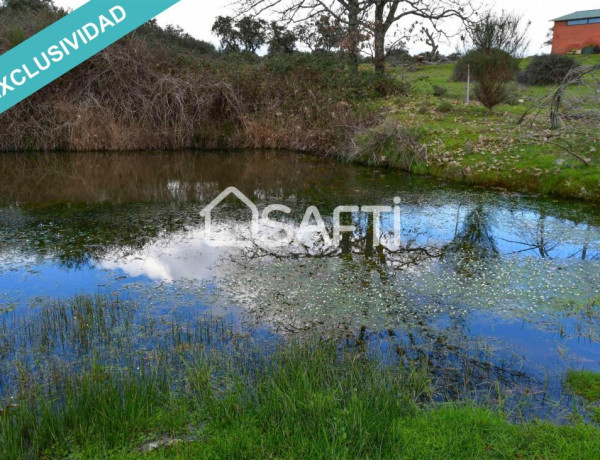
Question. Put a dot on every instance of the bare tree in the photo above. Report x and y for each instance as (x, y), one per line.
(376, 17)
(505, 31)
(575, 76)
(432, 38)
(387, 13)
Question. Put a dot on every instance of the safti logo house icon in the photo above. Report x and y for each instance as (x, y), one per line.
(207, 214)
(268, 233)
(303, 235)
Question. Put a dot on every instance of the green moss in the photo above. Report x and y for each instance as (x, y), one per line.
(585, 384)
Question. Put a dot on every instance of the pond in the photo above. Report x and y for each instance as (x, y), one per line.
(484, 285)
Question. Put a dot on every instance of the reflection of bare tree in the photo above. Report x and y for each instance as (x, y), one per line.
(584, 253)
(474, 240)
(540, 244)
(356, 246)
(547, 243)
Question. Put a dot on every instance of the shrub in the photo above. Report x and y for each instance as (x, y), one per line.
(20, 19)
(492, 70)
(440, 91)
(384, 85)
(461, 67)
(491, 93)
(160, 89)
(328, 71)
(549, 69)
(591, 49)
(473, 59)
(175, 37)
(512, 94)
(15, 37)
(399, 56)
(390, 144)
(29, 4)
(445, 107)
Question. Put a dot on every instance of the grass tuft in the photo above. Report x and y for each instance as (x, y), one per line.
(585, 384)
(214, 395)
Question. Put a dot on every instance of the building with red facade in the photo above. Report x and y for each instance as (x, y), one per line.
(576, 31)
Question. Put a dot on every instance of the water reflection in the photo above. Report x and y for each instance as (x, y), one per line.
(182, 256)
(506, 280)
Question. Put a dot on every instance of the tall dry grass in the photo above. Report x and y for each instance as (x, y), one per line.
(148, 94)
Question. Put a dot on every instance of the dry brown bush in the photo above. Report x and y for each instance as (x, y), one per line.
(136, 95)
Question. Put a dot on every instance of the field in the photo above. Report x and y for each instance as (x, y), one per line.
(483, 148)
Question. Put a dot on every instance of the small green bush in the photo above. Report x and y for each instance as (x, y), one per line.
(473, 59)
(492, 70)
(548, 69)
(585, 384)
(440, 91)
(15, 36)
(445, 107)
(390, 144)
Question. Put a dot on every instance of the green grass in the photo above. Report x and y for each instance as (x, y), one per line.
(446, 432)
(479, 147)
(297, 399)
(306, 401)
(585, 384)
(90, 414)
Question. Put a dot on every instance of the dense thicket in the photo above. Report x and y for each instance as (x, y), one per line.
(549, 69)
(474, 59)
(162, 89)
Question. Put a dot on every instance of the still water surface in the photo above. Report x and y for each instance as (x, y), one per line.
(506, 280)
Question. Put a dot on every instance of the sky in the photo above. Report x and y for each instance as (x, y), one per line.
(197, 16)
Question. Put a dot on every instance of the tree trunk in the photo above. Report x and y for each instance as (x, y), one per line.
(380, 53)
(379, 31)
(354, 34)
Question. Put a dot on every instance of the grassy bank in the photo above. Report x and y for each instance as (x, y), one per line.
(160, 89)
(197, 390)
(432, 131)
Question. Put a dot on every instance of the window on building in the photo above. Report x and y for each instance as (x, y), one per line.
(577, 22)
(582, 22)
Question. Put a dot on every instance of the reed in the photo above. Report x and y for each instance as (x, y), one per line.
(195, 389)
